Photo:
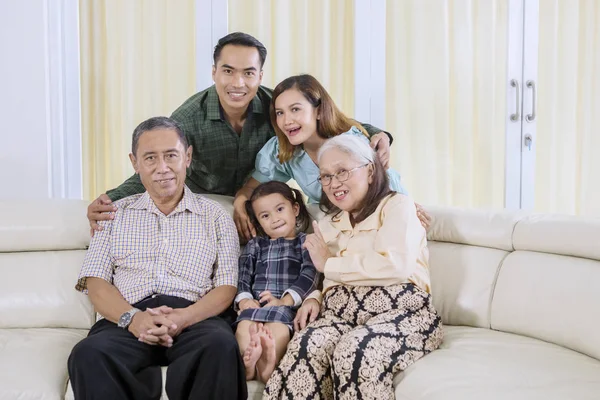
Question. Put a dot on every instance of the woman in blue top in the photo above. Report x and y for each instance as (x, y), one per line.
(304, 116)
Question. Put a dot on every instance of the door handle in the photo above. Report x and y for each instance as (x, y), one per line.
(517, 115)
(531, 117)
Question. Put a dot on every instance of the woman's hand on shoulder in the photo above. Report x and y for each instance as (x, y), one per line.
(306, 314)
(424, 216)
(317, 248)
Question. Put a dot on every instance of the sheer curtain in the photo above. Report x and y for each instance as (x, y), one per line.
(303, 36)
(567, 177)
(137, 61)
(446, 99)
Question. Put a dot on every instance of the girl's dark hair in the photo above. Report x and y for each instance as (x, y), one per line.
(294, 196)
(378, 189)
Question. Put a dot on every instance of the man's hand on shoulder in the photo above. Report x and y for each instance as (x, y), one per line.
(100, 209)
(381, 143)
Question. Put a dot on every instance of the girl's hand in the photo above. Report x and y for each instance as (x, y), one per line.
(317, 248)
(268, 300)
(306, 314)
(247, 304)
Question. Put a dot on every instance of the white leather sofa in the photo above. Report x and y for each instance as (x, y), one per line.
(519, 295)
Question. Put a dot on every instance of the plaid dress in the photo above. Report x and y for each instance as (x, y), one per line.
(280, 266)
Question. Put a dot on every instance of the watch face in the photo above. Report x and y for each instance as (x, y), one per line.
(124, 320)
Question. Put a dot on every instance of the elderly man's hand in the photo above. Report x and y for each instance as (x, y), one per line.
(145, 322)
(180, 317)
(381, 143)
(100, 209)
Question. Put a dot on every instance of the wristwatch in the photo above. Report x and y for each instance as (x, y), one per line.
(126, 318)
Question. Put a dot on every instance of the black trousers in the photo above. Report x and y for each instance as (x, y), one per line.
(204, 362)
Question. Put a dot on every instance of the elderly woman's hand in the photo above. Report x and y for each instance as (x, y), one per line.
(317, 248)
(306, 314)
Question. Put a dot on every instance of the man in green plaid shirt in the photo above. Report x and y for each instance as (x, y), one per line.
(226, 125)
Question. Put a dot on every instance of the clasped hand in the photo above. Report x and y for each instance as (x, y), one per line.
(159, 326)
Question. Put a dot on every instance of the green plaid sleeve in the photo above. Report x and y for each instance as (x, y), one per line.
(131, 186)
(372, 130)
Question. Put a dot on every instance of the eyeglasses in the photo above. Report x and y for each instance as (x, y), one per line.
(342, 175)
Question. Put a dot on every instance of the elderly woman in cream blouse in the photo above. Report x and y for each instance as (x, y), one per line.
(377, 316)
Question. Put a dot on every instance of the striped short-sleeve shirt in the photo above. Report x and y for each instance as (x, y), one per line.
(143, 252)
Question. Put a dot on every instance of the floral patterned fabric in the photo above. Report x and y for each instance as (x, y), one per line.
(365, 336)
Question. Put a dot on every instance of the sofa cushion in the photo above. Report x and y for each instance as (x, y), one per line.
(34, 362)
(462, 282)
(30, 225)
(475, 364)
(550, 297)
(473, 227)
(559, 234)
(37, 290)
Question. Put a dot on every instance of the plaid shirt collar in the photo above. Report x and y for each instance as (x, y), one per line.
(188, 202)
(214, 111)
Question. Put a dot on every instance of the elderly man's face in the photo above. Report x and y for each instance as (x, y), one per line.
(237, 76)
(161, 160)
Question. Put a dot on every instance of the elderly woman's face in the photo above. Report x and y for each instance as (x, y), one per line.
(345, 180)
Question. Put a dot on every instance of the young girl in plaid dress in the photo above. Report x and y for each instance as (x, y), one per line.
(275, 276)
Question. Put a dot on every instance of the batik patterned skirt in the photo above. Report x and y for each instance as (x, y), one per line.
(364, 336)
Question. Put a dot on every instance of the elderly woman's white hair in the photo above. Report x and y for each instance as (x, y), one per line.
(357, 147)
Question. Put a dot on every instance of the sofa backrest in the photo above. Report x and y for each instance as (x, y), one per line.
(42, 245)
(533, 275)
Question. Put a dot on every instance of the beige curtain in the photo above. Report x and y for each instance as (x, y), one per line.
(137, 61)
(567, 177)
(303, 36)
(446, 99)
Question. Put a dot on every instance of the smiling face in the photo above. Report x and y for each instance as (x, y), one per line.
(296, 117)
(237, 76)
(276, 215)
(161, 161)
(348, 195)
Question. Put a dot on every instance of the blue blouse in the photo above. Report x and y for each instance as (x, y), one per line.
(302, 168)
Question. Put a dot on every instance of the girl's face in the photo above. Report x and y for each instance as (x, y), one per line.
(296, 117)
(276, 215)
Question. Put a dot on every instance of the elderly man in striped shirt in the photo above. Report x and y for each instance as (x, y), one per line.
(160, 273)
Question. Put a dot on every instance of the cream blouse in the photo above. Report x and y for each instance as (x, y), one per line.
(387, 248)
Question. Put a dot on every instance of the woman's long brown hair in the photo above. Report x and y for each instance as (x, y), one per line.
(332, 121)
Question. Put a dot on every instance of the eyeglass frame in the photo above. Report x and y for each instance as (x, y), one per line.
(331, 176)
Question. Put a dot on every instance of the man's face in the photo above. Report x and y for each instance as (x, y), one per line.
(237, 76)
(161, 160)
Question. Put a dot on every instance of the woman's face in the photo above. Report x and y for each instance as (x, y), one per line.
(296, 117)
(349, 194)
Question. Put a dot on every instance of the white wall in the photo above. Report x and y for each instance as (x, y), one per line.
(23, 101)
(40, 145)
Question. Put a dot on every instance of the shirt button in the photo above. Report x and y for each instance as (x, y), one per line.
(166, 241)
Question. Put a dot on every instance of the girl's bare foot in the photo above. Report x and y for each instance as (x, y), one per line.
(268, 360)
(253, 351)
(251, 356)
